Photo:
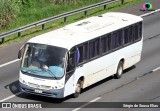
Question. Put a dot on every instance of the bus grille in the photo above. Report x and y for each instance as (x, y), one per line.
(39, 86)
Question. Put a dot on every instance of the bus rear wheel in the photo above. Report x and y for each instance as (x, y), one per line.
(119, 70)
(77, 89)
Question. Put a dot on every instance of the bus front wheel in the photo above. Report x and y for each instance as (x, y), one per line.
(119, 70)
(77, 89)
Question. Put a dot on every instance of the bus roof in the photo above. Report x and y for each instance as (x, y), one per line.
(87, 29)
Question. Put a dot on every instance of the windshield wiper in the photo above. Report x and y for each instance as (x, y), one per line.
(52, 74)
(45, 68)
(35, 71)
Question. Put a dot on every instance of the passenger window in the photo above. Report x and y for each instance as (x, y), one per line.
(97, 51)
(116, 39)
(136, 34)
(94, 48)
(140, 30)
(86, 51)
(91, 49)
(130, 37)
(126, 36)
(83, 52)
(71, 60)
(119, 38)
(106, 43)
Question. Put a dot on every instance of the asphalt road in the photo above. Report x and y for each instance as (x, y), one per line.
(138, 84)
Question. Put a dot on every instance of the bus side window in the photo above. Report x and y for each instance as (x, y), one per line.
(116, 39)
(136, 34)
(81, 53)
(97, 47)
(130, 29)
(91, 49)
(119, 38)
(140, 30)
(105, 43)
(126, 36)
(71, 61)
(86, 51)
(94, 48)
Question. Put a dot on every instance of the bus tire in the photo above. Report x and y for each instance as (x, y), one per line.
(119, 70)
(77, 89)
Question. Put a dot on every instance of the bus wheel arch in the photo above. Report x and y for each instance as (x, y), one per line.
(78, 87)
(82, 81)
(120, 68)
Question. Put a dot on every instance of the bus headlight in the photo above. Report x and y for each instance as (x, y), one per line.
(58, 87)
(22, 81)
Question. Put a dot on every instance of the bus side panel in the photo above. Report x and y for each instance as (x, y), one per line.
(106, 65)
(99, 69)
(132, 60)
(72, 81)
(133, 54)
(69, 86)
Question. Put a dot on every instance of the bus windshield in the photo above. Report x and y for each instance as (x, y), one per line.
(43, 60)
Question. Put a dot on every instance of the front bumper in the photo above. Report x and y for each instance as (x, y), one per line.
(54, 93)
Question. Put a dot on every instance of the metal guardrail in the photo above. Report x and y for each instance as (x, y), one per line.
(64, 15)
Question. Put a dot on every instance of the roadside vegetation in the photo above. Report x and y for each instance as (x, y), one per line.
(22, 12)
(16, 13)
(8, 12)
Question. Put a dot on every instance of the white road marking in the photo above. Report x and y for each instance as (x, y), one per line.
(87, 104)
(5, 64)
(146, 14)
(9, 97)
(156, 69)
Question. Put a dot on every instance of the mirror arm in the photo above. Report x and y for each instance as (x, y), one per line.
(21, 47)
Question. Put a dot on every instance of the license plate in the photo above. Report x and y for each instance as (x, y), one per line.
(38, 91)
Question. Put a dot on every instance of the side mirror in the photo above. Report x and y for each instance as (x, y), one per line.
(20, 52)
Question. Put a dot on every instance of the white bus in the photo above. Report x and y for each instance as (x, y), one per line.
(64, 61)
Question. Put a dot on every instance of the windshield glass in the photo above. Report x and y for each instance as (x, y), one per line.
(43, 60)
